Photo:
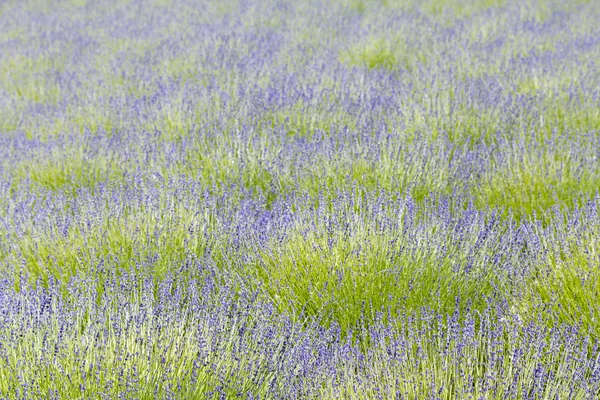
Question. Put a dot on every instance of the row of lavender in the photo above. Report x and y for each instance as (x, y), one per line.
(366, 296)
(192, 341)
(274, 199)
(276, 97)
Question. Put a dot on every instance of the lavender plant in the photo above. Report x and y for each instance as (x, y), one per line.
(201, 340)
(247, 199)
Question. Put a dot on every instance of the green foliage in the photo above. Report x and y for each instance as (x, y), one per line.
(377, 53)
(31, 79)
(67, 170)
(503, 111)
(567, 281)
(163, 237)
(533, 180)
(459, 9)
(145, 350)
(347, 278)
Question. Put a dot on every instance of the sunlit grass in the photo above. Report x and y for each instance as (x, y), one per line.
(141, 344)
(366, 162)
(67, 170)
(535, 179)
(164, 234)
(566, 279)
(346, 277)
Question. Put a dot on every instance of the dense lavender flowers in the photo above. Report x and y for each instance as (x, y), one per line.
(356, 199)
(139, 340)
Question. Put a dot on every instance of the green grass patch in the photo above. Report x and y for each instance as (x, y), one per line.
(530, 181)
(459, 9)
(163, 237)
(346, 278)
(389, 53)
(567, 280)
(64, 170)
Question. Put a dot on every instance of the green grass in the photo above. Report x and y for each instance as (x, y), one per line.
(377, 53)
(30, 79)
(459, 9)
(533, 180)
(345, 278)
(162, 236)
(566, 278)
(67, 169)
(119, 351)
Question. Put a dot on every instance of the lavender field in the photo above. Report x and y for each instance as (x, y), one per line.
(275, 199)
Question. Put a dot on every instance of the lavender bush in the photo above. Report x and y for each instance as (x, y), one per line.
(285, 200)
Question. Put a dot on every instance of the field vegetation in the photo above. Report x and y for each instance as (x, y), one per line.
(353, 199)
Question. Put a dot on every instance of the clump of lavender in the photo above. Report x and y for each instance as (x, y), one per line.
(201, 339)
